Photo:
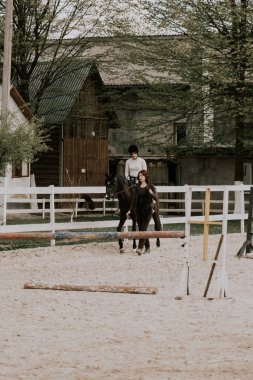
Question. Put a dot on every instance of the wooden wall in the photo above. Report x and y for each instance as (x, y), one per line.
(79, 154)
(85, 162)
(47, 168)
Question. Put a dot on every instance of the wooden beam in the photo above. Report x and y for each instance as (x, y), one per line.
(202, 222)
(213, 265)
(26, 235)
(75, 236)
(80, 235)
(206, 222)
(94, 288)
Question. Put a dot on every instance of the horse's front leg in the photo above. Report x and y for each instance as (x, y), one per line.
(119, 229)
(158, 225)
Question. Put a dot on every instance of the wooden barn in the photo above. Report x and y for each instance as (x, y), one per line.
(73, 113)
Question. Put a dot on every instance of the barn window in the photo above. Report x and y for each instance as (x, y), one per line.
(21, 170)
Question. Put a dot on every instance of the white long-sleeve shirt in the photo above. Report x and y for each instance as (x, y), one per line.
(132, 167)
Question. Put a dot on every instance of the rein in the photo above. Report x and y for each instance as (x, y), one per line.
(122, 191)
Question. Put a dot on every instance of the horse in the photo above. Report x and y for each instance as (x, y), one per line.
(118, 186)
(89, 202)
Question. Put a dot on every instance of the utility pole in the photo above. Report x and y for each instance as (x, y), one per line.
(7, 55)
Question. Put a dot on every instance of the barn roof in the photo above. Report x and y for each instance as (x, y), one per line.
(58, 98)
(21, 103)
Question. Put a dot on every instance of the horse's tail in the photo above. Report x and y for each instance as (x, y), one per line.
(90, 202)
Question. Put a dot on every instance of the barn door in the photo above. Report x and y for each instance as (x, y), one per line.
(85, 162)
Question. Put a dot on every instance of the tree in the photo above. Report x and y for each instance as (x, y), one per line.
(208, 45)
(56, 31)
(20, 140)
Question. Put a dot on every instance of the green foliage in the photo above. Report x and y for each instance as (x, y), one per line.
(51, 30)
(208, 45)
(20, 140)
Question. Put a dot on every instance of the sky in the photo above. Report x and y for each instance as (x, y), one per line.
(102, 17)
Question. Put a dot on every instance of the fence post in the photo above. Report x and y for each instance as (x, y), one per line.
(184, 280)
(223, 281)
(52, 212)
(76, 208)
(5, 203)
(242, 201)
(43, 208)
(249, 223)
(238, 204)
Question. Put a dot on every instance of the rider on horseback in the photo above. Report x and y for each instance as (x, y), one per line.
(134, 164)
(132, 167)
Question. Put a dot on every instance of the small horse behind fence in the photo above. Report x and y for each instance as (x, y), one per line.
(88, 201)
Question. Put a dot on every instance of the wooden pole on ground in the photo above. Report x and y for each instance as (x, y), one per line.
(213, 265)
(80, 235)
(26, 235)
(75, 236)
(94, 288)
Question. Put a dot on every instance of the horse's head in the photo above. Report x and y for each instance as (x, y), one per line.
(110, 186)
(115, 185)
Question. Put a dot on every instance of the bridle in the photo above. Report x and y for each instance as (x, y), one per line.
(113, 194)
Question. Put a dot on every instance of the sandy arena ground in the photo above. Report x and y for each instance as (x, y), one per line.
(61, 335)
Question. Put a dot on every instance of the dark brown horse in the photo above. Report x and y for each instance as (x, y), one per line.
(117, 186)
(88, 201)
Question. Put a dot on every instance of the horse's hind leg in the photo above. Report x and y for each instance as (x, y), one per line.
(134, 229)
(158, 226)
(119, 229)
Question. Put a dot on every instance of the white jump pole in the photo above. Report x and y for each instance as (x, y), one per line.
(222, 280)
(184, 277)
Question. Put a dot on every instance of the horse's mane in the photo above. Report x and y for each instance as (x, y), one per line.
(121, 180)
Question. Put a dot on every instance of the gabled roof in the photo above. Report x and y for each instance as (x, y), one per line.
(59, 97)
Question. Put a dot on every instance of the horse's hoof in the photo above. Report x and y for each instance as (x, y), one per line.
(121, 250)
(139, 251)
(147, 250)
(158, 243)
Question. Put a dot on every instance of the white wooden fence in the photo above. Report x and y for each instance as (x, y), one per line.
(51, 200)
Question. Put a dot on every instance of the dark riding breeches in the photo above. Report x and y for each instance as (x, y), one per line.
(143, 219)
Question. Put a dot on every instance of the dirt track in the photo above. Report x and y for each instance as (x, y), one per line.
(60, 335)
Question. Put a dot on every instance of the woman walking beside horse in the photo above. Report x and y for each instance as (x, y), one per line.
(144, 202)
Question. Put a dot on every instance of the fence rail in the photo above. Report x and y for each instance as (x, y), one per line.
(51, 200)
